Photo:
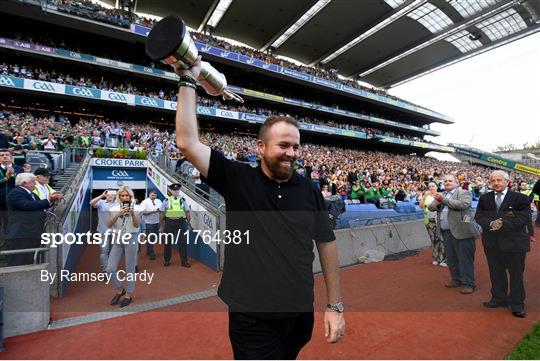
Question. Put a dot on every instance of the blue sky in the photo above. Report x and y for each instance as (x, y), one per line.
(494, 97)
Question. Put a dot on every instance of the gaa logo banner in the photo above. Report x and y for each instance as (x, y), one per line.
(119, 174)
(44, 86)
(11, 81)
(83, 92)
(149, 102)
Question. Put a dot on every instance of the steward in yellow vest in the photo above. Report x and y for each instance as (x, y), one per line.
(176, 224)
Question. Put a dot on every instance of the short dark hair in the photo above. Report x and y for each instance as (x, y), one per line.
(270, 121)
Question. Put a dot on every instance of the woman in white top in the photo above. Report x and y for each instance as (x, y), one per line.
(430, 221)
(125, 217)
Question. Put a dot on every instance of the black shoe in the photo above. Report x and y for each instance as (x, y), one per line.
(494, 304)
(186, 264)
(167, 263)
(117, 297)
(126, 301)
(152, 257)
(519, 314)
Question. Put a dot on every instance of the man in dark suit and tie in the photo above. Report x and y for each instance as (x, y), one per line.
(8, 172)
(536, 190)
(26, 218)
(504, 216)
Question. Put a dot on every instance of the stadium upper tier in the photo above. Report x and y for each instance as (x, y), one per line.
(329, 164)
(47, 49)
(87, 18)
(117, 90)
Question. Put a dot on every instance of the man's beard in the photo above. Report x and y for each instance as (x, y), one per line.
(278, 170)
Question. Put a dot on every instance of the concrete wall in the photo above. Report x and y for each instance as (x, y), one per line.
(388, 238)
(26, 299)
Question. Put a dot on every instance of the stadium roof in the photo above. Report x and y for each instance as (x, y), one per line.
(383, 42)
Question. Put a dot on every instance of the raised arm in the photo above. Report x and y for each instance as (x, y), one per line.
(187, 133)
(94, 201)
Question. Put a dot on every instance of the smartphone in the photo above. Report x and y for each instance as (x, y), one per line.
(111, 193)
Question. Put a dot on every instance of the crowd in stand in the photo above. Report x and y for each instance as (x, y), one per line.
(43, 40)
(38, 73)
(123, 18)
(366, 176)
(93, 11)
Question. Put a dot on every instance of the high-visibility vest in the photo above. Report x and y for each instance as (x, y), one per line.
(37, 190)
(528, 192)
(175, 208)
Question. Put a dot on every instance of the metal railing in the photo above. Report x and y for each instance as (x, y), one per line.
(74, 155)
(36, 251)
(183, 175)
(59, 160)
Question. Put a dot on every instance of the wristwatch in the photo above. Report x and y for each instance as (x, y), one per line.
(338, 307)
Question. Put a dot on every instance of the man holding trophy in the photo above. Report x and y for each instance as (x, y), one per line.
(267, 279)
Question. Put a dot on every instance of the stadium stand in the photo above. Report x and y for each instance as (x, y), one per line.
(70, 97)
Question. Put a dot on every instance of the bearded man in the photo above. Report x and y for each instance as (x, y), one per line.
(273, 216)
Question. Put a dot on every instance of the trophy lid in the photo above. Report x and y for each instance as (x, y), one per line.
(165, 37)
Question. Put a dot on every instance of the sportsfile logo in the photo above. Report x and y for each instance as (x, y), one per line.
(83, 92)
(5, 81)
(117, 97)
(149, 102)
(43, 86)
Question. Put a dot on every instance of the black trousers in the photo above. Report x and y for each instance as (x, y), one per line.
(499, 262)
(174, 227)
(460, 258)
(255, 338)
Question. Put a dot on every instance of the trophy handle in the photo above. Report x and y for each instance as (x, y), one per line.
(228, 95)
(215, 83)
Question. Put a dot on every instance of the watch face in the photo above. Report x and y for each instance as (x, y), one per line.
(338, 307)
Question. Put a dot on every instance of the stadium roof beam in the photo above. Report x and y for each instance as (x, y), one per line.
(209, 13)
(308, 15)
(396, 14)
(485, 14)
(218, 13)
(512, 37)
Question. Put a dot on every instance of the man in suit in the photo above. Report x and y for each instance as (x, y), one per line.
(458, 232)
(536, 192)
(8, 172)
(504, 216)
(26, 218)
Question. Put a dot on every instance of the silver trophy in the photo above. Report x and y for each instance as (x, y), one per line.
(169, 41)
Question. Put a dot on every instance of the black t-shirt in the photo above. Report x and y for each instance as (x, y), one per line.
(536, 188)
(274, 272)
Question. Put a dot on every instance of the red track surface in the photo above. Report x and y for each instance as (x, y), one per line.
(88, 297)
(396, 310)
